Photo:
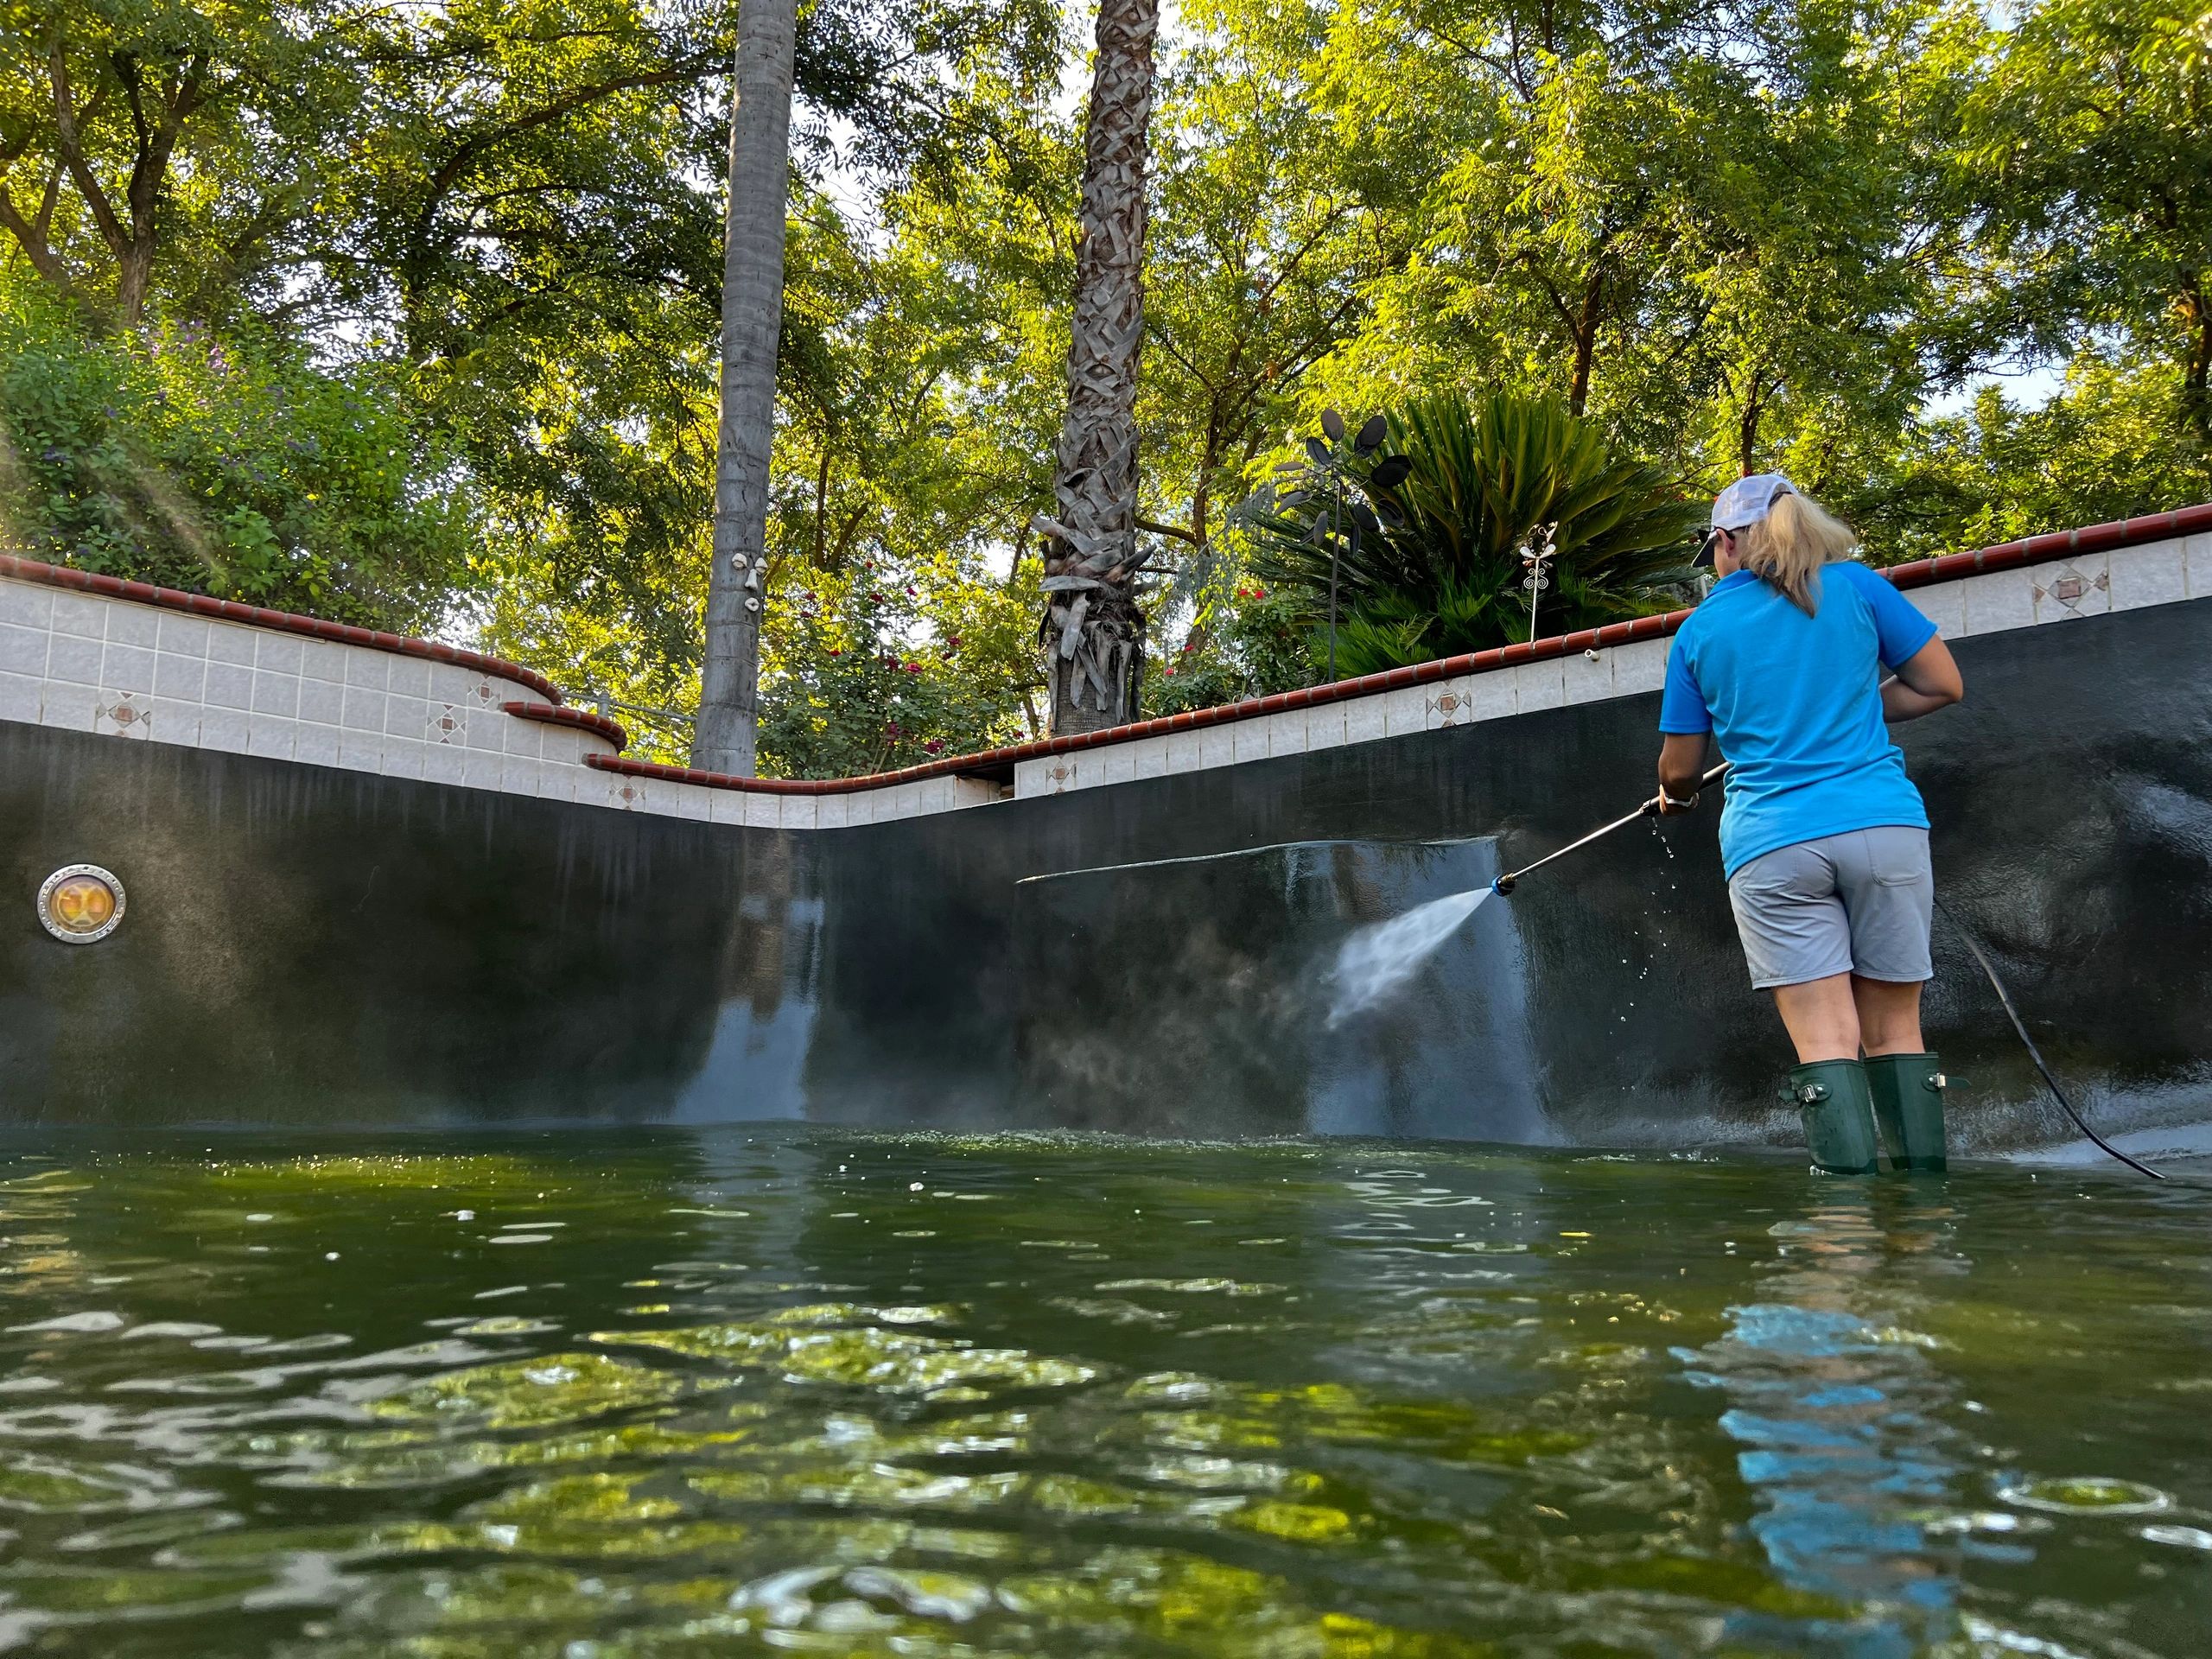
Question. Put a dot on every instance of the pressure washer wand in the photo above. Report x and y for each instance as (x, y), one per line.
(1505, 884)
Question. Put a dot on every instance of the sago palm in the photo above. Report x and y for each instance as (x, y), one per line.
(1439, 565)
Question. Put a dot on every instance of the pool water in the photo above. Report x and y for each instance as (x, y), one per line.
(793, 1391)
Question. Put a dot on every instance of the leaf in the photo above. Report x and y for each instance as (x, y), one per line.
(1319, 450)
(1390, 472)
(1333, 425)
(1371, 435)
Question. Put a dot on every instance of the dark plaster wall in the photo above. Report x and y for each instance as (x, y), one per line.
(314, 946)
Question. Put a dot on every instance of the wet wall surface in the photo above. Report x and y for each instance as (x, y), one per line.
(312, 946)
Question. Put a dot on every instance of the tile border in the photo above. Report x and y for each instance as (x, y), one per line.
(86, 655)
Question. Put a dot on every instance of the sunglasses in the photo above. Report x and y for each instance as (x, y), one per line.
(1708, 544)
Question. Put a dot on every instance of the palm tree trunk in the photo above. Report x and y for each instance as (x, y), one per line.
(1092, 631)
(753, 312)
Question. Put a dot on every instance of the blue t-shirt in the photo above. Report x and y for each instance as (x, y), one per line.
(1795, 701)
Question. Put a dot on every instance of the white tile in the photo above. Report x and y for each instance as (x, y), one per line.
(226, 644)
(1186, 751)
(443, 763)
(1587, 681)
(479, 769)
(566, 745)
(983, 791)
(370, 669)
(446, 724)
(1641, 666)
(1325, 726)
(1286, 732)
(521, 737)
(229, 686)
(1405, 710)
(1363, 719)
(277, 693)
(19, 698)
(942, 794)
(322, 660)
(22, 651)
(692, 802)
(407, 677)
(322, 700)
(280, 653)
(133, 625)
(71, 707)
(806, 811)
(315, 744)
(270, 735)
(402, 756)
(175, 721)
(26, 604)
(127, 669)
(186, 636)
(1028, 779)
(362, 751)
(2148, 576)
(519, 774)
(180, 677)
(76, 614)
(1540, 685)
(460, 685)
(727, 806)
(1216, 746)
(228, 729)
(74, 659)
(487, 727)
(1147, 758)
(1492, 695)
(362, 710)
(1248, 739)
(2196, 563)
(1996, 602)
(1117, 764)
(407, 717)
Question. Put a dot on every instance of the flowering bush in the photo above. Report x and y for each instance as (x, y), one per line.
(1255, 648)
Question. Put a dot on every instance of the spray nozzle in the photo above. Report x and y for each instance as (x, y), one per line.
(1502, 886)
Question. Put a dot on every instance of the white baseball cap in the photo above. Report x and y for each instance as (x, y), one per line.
(1746, 501)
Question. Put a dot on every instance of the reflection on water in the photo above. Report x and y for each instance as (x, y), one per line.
(786, 1391)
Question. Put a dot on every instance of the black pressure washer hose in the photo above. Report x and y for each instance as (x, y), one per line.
(1505, 884)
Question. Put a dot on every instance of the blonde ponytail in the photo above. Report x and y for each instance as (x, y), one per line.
(1787, 548)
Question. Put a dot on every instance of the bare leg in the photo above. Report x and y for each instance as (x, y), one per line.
(1822, 1018)
(1889, 1015)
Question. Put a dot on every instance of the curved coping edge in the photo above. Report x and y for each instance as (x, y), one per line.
(583, 719)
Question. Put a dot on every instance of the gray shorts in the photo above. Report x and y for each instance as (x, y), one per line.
(1856, 903)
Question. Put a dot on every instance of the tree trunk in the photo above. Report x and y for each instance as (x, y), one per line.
(1092, 631)
(753, 312)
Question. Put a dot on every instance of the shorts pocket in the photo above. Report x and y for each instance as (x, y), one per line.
(1898, 859)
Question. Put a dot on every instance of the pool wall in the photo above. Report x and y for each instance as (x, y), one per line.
(376, 881)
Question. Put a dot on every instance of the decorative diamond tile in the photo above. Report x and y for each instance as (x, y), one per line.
(449, 723)
(127, 714)
(2072, 588)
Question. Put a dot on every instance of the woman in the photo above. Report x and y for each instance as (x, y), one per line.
(1823, 837)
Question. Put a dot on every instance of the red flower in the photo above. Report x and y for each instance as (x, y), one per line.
(935, 745)
(1171, 671)
(837, 651)
(913, 668)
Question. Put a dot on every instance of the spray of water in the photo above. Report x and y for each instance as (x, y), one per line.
(1374, 963)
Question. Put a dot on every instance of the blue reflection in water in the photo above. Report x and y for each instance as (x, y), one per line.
(1836, 1408)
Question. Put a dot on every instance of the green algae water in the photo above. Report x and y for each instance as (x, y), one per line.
(792, 1391)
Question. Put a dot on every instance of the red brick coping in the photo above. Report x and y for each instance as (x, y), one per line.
(583, 719)
(997, 765)
(229, 610)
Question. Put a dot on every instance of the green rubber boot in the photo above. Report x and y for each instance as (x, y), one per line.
(1909, 1105)
(1838, 1115)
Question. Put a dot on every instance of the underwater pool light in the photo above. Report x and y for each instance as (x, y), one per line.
(80, 903)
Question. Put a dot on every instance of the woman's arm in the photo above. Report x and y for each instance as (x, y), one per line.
(1927, 680)
(1681, 771)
